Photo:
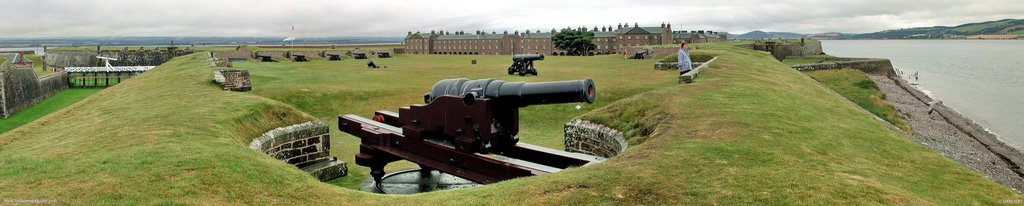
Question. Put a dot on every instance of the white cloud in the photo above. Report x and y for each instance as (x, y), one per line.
(317, 18)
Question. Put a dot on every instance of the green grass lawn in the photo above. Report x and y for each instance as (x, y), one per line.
(37, 65)
(325, 89)
(750, 130)
(858, 88)
(49, 105)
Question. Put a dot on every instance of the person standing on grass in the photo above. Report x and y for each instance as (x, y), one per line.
(685, 65)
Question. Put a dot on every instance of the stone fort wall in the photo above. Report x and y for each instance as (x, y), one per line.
(782, 49)
(20, 88)
(306, 145)
(867, 65)
(124, 58)
(594, 139)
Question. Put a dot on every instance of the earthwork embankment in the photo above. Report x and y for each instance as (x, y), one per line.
(938, 127)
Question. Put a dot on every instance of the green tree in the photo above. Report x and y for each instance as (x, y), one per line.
(576, 42)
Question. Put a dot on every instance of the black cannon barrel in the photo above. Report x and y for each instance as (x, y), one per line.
(527, 57)
(520, 94)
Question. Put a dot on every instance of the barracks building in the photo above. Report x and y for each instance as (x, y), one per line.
(609, 40)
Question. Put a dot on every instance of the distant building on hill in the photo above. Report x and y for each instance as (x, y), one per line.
(608, 39)
(993, 36)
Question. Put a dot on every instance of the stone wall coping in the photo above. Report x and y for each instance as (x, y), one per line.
(607, 137)
(689, 76)
(802, 67)
(279, 136)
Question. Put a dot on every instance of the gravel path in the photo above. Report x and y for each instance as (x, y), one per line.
(953, 135)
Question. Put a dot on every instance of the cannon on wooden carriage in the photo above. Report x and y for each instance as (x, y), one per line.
(640, 55)
(523, 64)
(359, 55)
(262, 57)
(333, 57)
(467, 128)
(296, 57)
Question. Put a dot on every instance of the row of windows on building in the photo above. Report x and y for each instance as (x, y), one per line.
(487, 47)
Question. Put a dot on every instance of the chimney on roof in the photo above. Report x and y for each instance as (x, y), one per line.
(516, 33)
(553, 31)
(431, 32)
(447, 33)
(700, 31)
(506, 32)
(668, 25)
(604, 29)
(410, 32)
(494, 32)
(662, 24)
(635, 24)
(527, 31)
(620, 26)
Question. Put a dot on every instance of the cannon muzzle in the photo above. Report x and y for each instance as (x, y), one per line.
(527, 57)
(519, 94)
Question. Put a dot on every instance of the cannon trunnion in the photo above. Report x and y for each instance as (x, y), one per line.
(468, 128)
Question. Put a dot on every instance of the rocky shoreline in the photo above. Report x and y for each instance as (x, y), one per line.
(953, 134)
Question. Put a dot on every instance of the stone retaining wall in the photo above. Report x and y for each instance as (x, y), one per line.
(782, 49)
(867, 65)
(689, 76)
(306, 145)
(20, 88)
(310, 55)
(278, 54)
(673, 65)
(590, 138)
(124, 58)
(232, 55)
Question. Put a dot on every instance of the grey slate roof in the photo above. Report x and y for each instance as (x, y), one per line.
(602, 34)
(655, 30)
(458, 37)
(471, 36)
(545, 35)
(418, 35)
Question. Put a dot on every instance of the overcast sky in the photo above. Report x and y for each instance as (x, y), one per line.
(323, 18)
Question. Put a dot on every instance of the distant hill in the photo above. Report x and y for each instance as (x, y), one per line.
(1005, 26)
(830, 35)
(757, 34)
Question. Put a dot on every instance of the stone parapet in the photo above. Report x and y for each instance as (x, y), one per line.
(306, 145)
(870, 66)
(591, 138)
(673, 65)
(689, 76)
(233, 79)
(328, 170)
(20, 88)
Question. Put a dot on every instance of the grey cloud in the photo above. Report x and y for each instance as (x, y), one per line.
(318, 18)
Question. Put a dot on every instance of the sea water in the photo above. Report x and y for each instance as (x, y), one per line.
(982, 79)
